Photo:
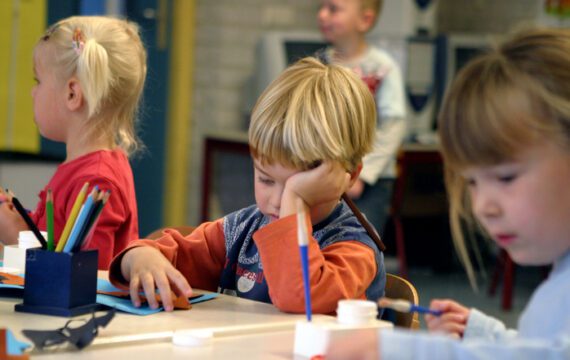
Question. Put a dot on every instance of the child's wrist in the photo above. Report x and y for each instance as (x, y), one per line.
(289, 201)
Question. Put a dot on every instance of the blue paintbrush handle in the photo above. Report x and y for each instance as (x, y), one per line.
(305, 266)
(423, 310)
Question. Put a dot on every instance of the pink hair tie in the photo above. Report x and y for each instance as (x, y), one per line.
(78, 41)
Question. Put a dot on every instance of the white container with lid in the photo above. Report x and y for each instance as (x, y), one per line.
(356, 312)
(313, 338)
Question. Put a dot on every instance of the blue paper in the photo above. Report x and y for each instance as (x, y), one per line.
(15, 347)
(105, 285)
(127, 306)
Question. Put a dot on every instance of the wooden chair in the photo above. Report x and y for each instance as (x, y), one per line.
(184, 230)
(400, 288)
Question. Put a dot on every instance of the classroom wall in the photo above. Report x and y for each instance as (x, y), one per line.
(228, 30)
(21, 24)
(226, 34)
(488, 16)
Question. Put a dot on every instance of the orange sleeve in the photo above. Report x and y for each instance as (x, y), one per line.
(199, 256)
(343, 270)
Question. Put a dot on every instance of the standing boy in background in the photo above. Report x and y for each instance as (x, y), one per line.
(308, 133)
(344, 24)
(90, 74)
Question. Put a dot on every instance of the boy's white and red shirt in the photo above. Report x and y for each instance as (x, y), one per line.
(245, 255)
(118, 222)
(382, 74)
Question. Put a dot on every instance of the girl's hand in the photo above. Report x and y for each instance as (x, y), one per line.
(145, 267)
(11, 223)
(453, 320)
(324, 183)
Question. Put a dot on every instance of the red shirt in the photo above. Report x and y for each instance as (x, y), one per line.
(118, 222)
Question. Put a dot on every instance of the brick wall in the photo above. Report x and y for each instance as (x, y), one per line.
(227, 31)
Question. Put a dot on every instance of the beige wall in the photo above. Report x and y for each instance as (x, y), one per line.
(227, 31)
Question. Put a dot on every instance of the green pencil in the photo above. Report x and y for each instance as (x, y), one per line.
(49, 212)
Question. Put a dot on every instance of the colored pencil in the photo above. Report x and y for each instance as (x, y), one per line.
(49, 215)
(402, 305)
(72, 217)
(92, 222)
(24, 214)
(81, 220)
(303, 240)
(100, 210)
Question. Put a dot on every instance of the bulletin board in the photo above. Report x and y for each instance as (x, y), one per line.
(21, 24)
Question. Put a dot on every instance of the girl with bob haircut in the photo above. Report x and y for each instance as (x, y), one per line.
(505, 139)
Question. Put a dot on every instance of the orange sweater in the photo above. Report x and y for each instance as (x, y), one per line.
(343, 269)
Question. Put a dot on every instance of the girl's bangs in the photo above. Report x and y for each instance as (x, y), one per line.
(489, 122)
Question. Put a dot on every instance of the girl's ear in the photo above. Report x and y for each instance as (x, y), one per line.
(354, 174)
(74, 95)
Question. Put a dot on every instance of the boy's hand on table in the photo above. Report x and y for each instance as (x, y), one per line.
(326, 182)
(453, 320)
(147, 269)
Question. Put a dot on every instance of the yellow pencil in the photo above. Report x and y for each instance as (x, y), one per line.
(72, 217)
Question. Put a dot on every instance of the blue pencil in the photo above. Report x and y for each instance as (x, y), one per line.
(303, 240)
(82, 218)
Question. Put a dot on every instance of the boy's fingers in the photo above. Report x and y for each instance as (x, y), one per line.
(134, 288)
(164, 290)
(179, 282)
(147, 283)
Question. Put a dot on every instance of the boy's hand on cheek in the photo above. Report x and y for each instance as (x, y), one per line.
(324, 183)
(145, 268)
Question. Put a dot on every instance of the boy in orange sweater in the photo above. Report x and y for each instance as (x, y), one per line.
(309, 131)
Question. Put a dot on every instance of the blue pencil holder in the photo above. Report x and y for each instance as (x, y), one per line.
(59, 283)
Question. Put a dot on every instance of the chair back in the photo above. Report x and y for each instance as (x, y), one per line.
(400, 288)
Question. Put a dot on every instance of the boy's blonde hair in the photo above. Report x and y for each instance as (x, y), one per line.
(109, 59)
(313, 112)
(503, 102)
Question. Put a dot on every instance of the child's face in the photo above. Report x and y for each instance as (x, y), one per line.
(341, 21)
(525, 204)
(270, 182)
(48, 96)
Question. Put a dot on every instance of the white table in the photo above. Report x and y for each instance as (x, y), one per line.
(269, 333)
